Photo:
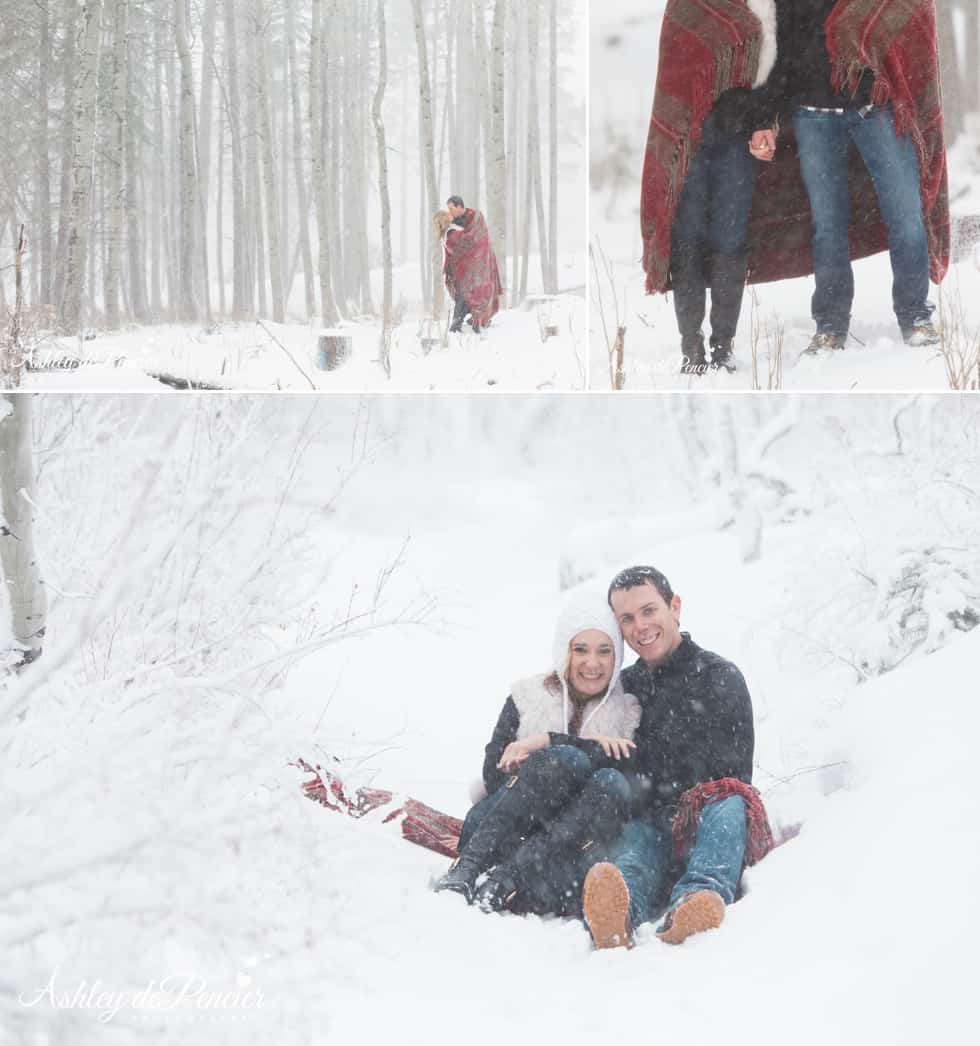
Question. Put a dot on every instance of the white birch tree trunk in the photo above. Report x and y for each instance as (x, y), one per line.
(82, 166)
(67, 138)
(551, 284)
(302, 198)
(242, 299)
(116, 160)
(328, 307)
(42, 206)
(497, 152)
(136, 236)
(268, 164)
(429, 158)
(188, 308)
(18, 557)
(379, 129)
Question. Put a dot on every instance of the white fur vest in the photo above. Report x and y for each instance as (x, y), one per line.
(541, 708)
(765, 11)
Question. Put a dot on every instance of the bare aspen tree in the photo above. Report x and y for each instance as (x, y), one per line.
(11, 347)
(328, 307)
(497, 153)
(466, 137)
(134, 196)
(551, 283)
(188, 307)
(115, 159)
(268, 164)
(67, 138)
(428, 157)
(534, 140)
(379, 128)
(85, 92)
(26, 595)
(971, 93)
(203, 139)
(242, 298)
(516, 240)
(302, 199)
(42, 203)
(219, 243)
(481, 75)
(953, 101)
(208, 41)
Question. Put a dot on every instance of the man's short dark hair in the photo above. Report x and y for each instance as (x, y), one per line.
(456, 201)
(633, 577)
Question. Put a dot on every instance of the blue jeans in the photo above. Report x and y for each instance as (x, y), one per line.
(716, 201)
(893, 165)
(552, 827)
(644, 852)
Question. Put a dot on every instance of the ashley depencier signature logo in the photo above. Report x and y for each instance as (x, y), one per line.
(172, 994)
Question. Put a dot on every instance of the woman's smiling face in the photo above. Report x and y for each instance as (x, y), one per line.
(591, 659)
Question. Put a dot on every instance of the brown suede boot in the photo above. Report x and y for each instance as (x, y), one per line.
(606, 907)
(695, 912)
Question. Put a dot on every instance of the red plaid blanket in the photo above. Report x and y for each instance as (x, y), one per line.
(420, 824)
(708, 46)
(470, 268)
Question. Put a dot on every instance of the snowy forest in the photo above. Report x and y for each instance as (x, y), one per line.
(208, 162)
(202, 590)
(775, 323)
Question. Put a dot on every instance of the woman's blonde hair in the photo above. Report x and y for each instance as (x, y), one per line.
(441, 221)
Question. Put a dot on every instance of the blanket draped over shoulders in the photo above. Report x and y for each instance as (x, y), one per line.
(470, 268)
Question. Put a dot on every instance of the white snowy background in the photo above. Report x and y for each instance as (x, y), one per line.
(238, 582)
(624, 48)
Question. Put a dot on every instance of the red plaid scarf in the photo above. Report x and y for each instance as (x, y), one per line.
(708, 46)
(694, 800)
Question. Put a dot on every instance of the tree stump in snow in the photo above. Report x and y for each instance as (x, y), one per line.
(333, 349)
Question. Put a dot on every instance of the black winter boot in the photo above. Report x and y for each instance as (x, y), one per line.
(534, 796)
(687, 277)
(497, 892)
(459, 314)
(723, 355)
(588, 824)
(728, 272)
(692, 351)
(461, 878)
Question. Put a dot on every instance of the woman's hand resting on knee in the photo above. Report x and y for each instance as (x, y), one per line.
(615, 747)
(517, 752)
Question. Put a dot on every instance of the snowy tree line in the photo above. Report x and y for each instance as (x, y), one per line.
(189, 159)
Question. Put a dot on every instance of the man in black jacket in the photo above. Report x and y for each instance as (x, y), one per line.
(696, 727)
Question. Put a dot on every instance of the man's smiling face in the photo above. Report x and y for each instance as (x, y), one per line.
(650, 625)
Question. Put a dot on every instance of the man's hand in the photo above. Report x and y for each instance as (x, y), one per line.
(615, 747)
(517, 752)
(763, 145)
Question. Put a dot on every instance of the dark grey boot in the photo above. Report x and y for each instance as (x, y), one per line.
(531, 879)
(459, 314)
(687, 277)
(728, 272)
(533, 797)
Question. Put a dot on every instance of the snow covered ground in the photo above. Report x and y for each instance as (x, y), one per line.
(280, 606)
(624, 48)
(268, 356)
